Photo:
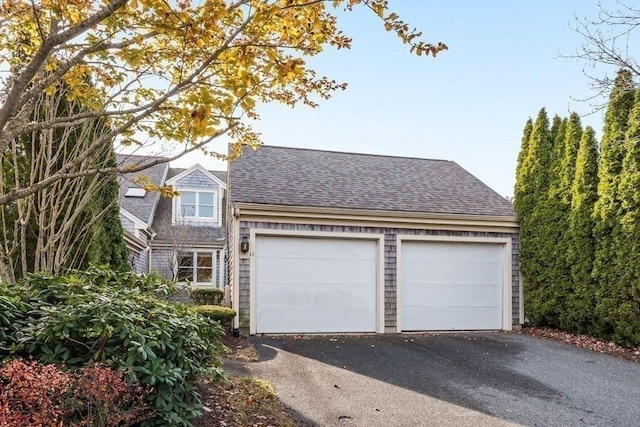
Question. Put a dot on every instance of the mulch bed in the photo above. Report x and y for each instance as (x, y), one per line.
(584, 341)
(242, 402)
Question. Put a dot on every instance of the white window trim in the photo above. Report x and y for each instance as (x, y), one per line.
(194, 252)
(176, 218)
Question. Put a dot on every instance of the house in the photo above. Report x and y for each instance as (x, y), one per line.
(182, 238)
(333, 242)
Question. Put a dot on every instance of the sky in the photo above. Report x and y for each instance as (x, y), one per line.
(468, 105)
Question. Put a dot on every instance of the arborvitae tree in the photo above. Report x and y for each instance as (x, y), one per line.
(581, 244)
(533, 185)
(572, 137)
(607, 208)
(548, 214)
(556, 219)
(557, 127)
(626, 290)
(107, 245)
(524, 151)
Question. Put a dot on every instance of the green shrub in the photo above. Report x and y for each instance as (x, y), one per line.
(96, 316)
(216, 312)
(206, 296)
(12, 309)
(32, 394)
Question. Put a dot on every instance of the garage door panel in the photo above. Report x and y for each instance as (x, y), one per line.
(447, 251)
(312, 248)
(347, 295)
(443, 294)
(310, 320)
(305, 270)
(451, 285)
(315, 285)
(452, 318)
(453, 272)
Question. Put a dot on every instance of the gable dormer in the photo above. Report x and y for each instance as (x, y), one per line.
(199, 199)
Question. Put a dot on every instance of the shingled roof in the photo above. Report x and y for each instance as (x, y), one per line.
(315, 178)
(141, 207)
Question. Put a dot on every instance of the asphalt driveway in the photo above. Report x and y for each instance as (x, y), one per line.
(470, 379)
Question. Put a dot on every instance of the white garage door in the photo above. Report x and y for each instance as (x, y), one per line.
(451, 286)
(315, 285)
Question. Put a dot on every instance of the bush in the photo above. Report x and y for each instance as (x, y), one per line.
(207, 296)
(12, 309)
(97, 316)
(32, 394)
(216, 312)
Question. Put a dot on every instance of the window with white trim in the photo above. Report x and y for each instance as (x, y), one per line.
(197, 204)
(196, 267)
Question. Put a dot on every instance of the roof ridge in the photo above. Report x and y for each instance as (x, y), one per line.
(318, 150)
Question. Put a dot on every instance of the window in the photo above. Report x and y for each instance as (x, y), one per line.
(135, 192)
(196, 204)
(195, 267)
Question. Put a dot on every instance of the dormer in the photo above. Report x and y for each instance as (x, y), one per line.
(199, 199)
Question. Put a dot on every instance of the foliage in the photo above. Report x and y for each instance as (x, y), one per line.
(103, 316)
(607, 207)
(184, 71)
(72, 223)
(524, 152)
(206, 296)
(12, 309)
(581, 242)
(626, 289)
(32, 394)
(216, 312)
(580, 255)
(559, 205)
(533, 187)
(107, 245)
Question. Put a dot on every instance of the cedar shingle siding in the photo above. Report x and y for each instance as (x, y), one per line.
(196, 180)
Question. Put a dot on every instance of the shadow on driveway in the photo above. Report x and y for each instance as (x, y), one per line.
(518, 378)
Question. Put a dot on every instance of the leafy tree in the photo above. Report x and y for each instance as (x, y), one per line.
(608, 207)
(184, 71)
(73, 222)
(581, 244)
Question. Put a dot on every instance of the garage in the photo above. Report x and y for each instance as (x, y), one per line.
(451, 285)
(315, 285)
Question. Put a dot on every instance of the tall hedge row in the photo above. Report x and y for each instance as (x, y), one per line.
(579, 211)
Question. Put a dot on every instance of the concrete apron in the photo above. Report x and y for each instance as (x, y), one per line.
(325, 395)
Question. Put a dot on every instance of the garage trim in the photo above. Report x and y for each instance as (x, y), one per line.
(506, 277)
(379, 238)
